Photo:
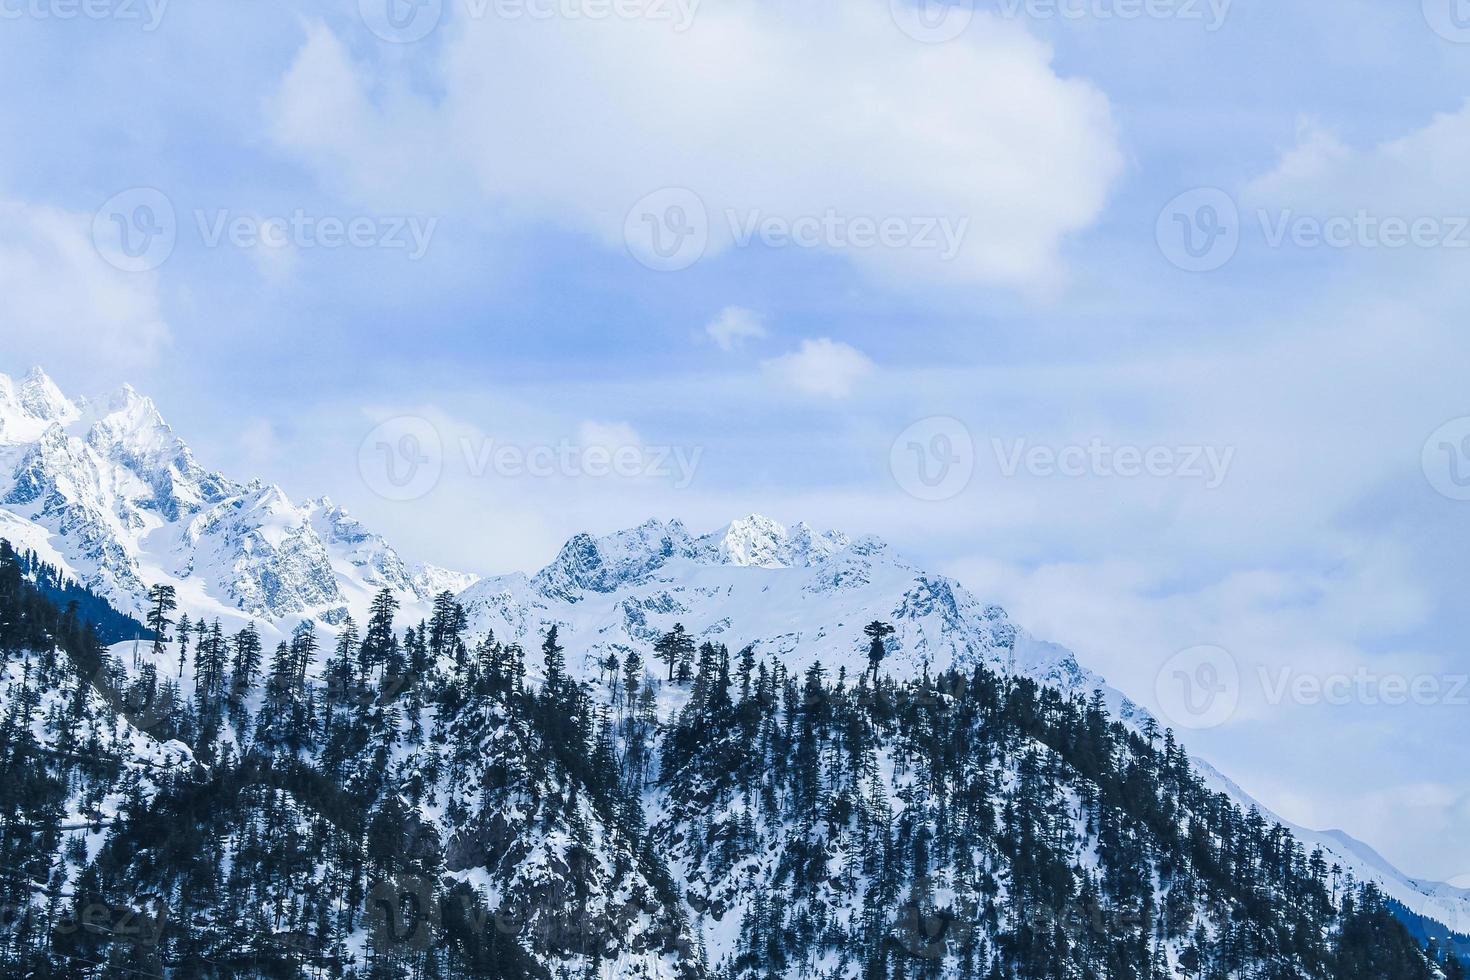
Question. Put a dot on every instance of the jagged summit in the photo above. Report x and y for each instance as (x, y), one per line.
(105, 488)
(601, 564)
(40, 397)
(761, 542)
(32, 405)
(798, 594)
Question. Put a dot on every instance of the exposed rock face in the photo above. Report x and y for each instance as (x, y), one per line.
(106, 489)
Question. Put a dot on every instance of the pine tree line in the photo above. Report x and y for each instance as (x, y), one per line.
(401, 803)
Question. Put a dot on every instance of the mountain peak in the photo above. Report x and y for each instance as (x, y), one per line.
(126, 400)
(758, 541)
(602, 564)
(755, 540)
(39, 397)
(110, 469)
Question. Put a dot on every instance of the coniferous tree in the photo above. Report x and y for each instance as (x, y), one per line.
(877, 631)
(674, 647)
(554, 657)
(955, 825)
(183, 641)
(162, 600)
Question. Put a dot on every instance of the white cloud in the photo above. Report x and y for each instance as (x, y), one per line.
(824, 368)
(371, 140)
(66, 306)
(762, 110)
(1418, 175)
(734, 326)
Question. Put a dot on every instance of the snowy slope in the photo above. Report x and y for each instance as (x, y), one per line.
(802, 597)
(105, 488)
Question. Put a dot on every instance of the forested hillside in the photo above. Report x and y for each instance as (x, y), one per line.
(397, 802)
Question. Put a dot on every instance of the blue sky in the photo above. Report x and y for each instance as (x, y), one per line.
(1315, 358)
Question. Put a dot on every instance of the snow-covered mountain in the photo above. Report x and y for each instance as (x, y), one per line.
(799, 596)
(106, 490)
(803, 596)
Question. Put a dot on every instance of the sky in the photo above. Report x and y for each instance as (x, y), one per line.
(1144, 318)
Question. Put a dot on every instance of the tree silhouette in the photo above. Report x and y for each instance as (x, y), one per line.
(876, 631)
